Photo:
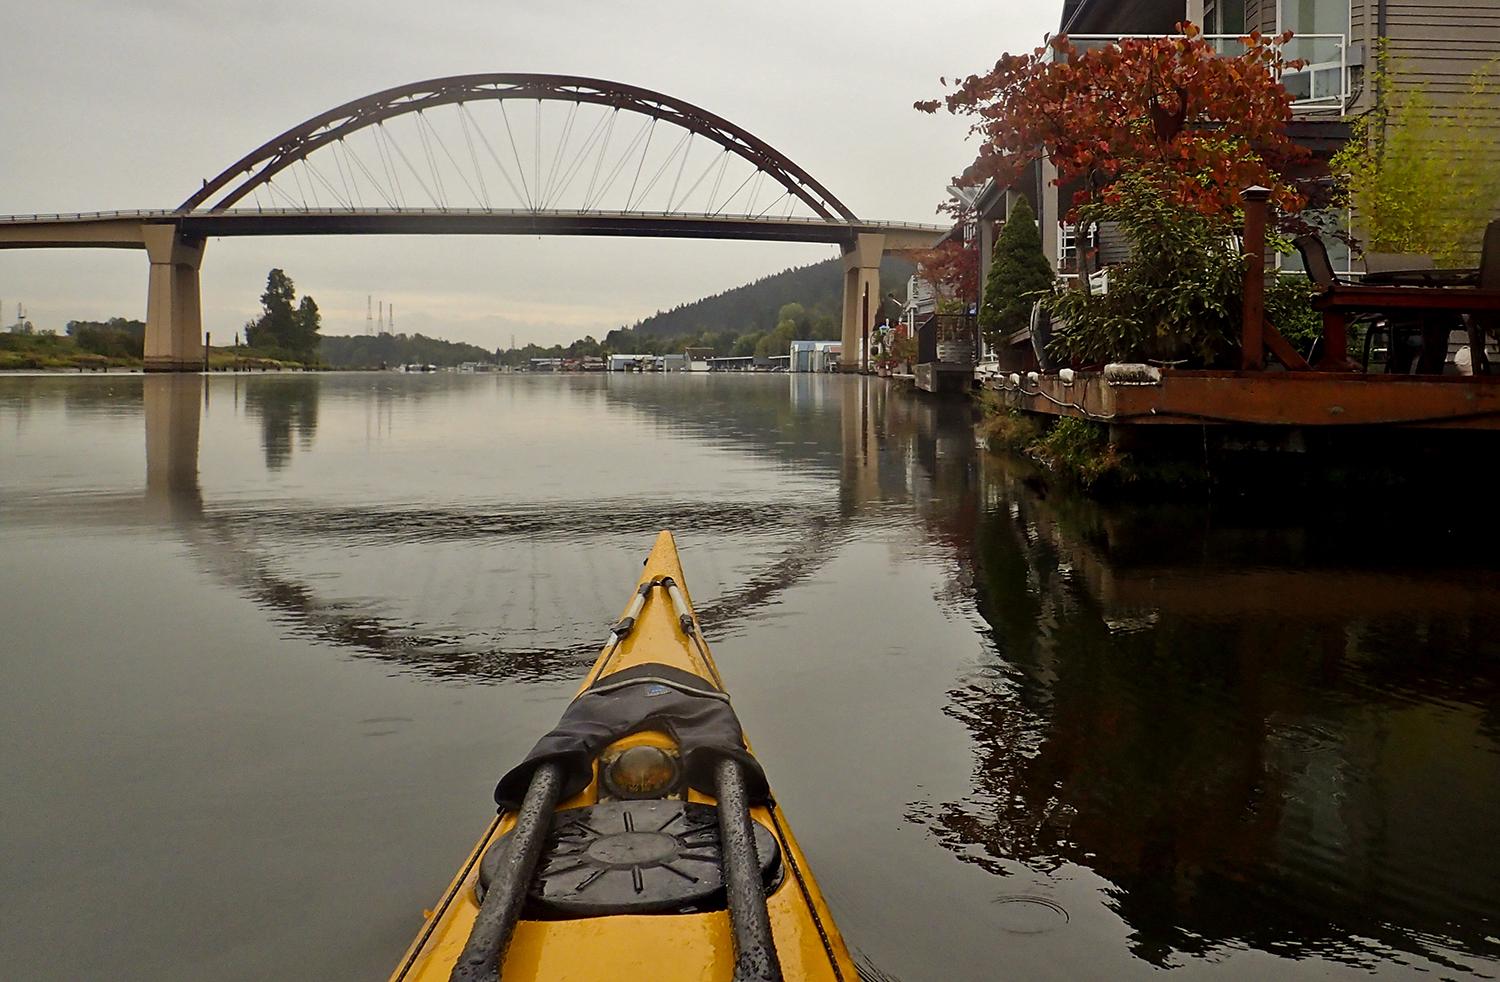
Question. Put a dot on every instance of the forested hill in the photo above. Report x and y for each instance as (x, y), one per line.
(390, 350)
(754, 306)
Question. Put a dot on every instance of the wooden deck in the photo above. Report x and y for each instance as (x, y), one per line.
(1283, 399)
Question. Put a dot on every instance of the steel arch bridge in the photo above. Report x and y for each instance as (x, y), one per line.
(498, 153)
(469, 153)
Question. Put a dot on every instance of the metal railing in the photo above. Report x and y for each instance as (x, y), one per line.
(1321, 84)
(153, 213)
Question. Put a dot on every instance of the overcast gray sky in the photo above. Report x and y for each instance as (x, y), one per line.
(107, 105)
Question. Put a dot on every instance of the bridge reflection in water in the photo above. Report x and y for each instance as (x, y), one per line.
(1266, 742)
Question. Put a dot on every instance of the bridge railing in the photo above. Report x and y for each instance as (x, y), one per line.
(84, 216)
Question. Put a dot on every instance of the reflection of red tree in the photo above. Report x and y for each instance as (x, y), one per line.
(1167, 758)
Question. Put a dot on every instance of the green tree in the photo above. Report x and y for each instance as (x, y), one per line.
(1018, 271)
(305, 336)
(1420, 181)
(277, 325)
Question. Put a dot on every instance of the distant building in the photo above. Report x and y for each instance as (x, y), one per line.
(629, 363)
(814, 356)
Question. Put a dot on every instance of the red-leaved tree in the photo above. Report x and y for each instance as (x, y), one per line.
(1204, 125)
(952, 267)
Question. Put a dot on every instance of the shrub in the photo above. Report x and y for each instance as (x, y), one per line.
(1018, 273)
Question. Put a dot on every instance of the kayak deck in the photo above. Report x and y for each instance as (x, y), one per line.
(663, 947)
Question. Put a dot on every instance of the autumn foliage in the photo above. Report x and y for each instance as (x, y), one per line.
(953, 267)
(1202, 124)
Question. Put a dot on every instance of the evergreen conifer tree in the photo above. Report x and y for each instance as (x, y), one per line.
(1019, 268)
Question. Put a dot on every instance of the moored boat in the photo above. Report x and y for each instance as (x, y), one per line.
(639, 839)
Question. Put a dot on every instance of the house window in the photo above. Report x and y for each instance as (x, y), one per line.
(1322, 77)
(1333, 227)
(1224, 17)
(1067, 246)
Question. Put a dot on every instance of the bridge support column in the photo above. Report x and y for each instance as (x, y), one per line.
(861, 280)
(174, 312)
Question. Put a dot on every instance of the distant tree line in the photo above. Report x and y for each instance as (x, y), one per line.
(756, 307)
(759, 319)
(114, 338)
(390, 350)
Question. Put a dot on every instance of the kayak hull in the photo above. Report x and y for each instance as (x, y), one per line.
(674, 947)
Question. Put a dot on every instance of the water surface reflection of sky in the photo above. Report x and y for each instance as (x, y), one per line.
(270, 639)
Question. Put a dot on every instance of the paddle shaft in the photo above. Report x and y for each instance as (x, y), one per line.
(754, 948)
(485, 952)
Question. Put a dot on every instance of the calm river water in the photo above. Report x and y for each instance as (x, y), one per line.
(268, 642)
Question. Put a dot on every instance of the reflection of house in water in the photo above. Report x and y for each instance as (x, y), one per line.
(1256, 745)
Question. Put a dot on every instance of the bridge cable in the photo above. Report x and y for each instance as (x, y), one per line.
(494, 156)
(735, 193)
(562, 144)
(708, 208)
(686, 135)
(311, 187)
(536, 152)
(712, 161)
(463, 123)
(334, 191)
(300, 191)
(520, 171)
(609, 180)
(672, 195)
(449, 154)
(334, 149)
(416, 176)
(354, 157)
(270, 186)
(437, 179)
(614, 115)
(383, 143)
(774, 202)
(644, 151)
(582, 157)
(313, 172)
(755, 190)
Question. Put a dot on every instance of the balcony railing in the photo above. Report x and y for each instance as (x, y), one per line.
(1321, 84)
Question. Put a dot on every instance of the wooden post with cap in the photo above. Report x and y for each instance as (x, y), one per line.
(1252, 334)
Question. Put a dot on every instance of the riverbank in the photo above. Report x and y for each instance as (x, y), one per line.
(61, 353)
(1192, 462)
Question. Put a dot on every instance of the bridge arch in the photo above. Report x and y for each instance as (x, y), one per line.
(257, 169)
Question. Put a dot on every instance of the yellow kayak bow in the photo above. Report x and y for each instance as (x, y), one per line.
(639, 839)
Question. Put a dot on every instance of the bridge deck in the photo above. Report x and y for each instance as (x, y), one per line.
(114, 228)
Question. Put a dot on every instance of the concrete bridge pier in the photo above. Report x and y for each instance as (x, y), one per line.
(174, 309)
(861, 280)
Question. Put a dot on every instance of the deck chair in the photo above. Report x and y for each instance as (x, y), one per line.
(1315, 261)
(1486, 323)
